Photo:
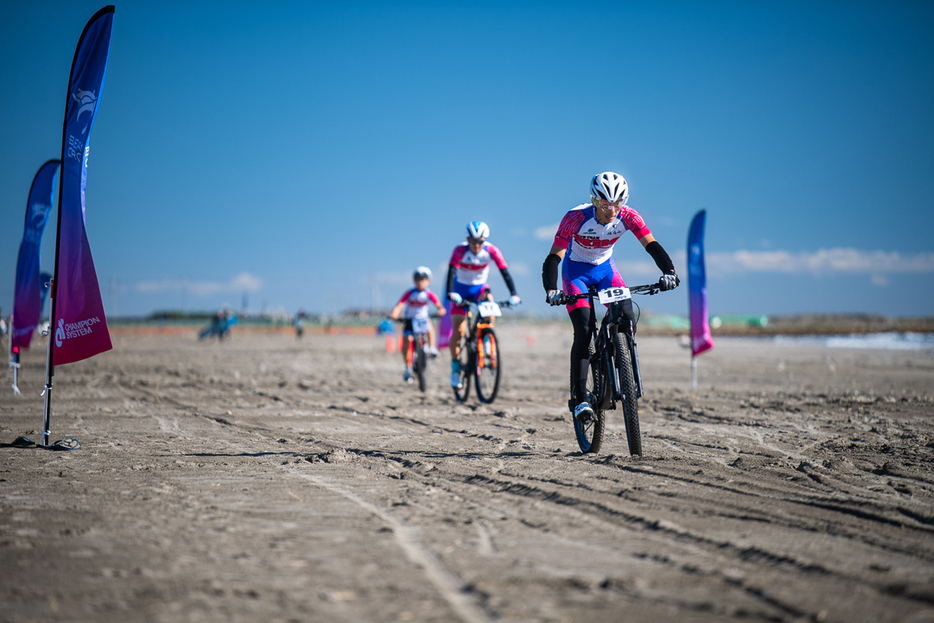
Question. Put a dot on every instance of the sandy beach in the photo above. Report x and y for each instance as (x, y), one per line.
(275, 479)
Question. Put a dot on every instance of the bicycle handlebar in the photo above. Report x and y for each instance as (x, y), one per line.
(466, 304)
(649, 288)
(404, 319)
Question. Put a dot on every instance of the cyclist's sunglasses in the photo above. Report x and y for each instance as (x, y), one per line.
(603, 204)
(476, 240)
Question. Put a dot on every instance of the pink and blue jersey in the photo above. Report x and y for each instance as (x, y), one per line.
(589, 244)
(474, 269)
(416, 302)
(588, 240)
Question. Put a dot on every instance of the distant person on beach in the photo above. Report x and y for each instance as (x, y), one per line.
(299, 323)
(220, 325)
(415, 302)
(584, 242)
(468, 271)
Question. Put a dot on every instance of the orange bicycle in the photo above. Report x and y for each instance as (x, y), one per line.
(419, 358)
(480, 357)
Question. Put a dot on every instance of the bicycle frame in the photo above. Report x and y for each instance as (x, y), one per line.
(609, 328)
(476, 323)
(421, 337)
(615, 321)
(472, 311)
(614, 368)
(619, 322)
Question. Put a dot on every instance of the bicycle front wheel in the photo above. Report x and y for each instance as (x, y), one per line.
(488, 367)
(627, 381)
(462, 392)
(590, 432)
(420, 361)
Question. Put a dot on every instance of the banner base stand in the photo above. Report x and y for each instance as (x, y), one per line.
(63, 444)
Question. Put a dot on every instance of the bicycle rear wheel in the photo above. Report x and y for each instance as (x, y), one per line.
(488, 368)
(589, 433)
(462, 392)
(627, 381)
(419, 362)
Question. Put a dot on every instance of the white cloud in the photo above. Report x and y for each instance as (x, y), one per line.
(244, 282)
(547, 232)
(642, 269)
(519, 268)
(875, 264)
(822, 261)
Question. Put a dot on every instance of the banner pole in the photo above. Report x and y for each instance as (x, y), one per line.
(16, 374)
(693, 372)
(13, 354)
(49, 368)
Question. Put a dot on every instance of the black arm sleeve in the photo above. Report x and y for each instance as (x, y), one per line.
(451, 270)
(550, 272)
(508, 279)
(660, 256)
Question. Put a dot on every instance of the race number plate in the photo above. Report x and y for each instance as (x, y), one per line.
(488, 309)
(420, 325)
(612, 295)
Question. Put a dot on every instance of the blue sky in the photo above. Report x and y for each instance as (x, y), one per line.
(313, 154)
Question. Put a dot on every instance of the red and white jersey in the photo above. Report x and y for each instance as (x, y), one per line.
(475, 269)
(416, 302)
(588, 240)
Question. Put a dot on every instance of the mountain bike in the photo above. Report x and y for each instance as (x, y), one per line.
(420, 329)
(480, 358)
(613, 375)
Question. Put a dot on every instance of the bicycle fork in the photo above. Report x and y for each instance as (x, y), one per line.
(484, 349)
(612, 371)
(636, 371)
(634, 358)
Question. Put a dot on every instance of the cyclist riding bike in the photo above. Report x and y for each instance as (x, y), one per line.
(583, 246)
(467, 281)
(415, 301)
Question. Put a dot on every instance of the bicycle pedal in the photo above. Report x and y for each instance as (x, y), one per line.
(583, 412)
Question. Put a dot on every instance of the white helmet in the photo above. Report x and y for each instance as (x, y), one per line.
(609, 186)
(422, 272)
(478, 229)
